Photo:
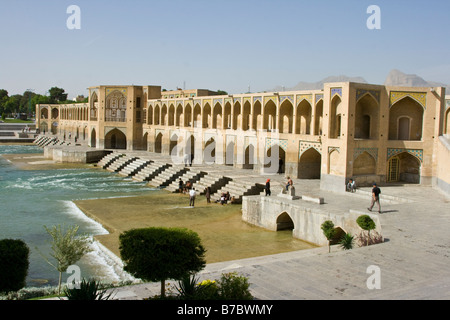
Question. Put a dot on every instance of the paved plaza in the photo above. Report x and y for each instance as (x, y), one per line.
(412, 262)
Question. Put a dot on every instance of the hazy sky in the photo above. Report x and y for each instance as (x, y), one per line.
(217, 44)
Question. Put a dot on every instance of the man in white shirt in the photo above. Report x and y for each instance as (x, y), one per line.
(192, 194)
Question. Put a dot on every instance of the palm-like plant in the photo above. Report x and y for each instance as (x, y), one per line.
(87, 290)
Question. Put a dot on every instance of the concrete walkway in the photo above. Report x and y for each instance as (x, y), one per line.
(413, 262)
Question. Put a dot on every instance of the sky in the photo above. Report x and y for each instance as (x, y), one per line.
(226, 45)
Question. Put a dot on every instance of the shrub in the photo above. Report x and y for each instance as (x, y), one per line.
(13, 264)
(87, 290)
(347, 241)
(234, 287)
(329, 231)
(366, 223)
(157, 254)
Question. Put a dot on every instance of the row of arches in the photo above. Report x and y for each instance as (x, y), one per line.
(244, 117)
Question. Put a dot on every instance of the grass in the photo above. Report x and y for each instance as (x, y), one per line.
(17, 121)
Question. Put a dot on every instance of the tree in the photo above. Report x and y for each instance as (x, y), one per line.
(222, 93)
(329, 231)
(67, 248)
(13, 264)
(157, 254)
(57, 95)
(366, 223)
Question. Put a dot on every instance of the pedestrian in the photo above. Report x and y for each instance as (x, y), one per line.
(375, 198)
(192, 194)
(280, 165)
(351, 186)
(180, 186)
(267, 188)
(289, 183)
(208, 194)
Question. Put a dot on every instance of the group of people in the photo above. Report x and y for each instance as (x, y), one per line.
(289, 183)
(188, 188)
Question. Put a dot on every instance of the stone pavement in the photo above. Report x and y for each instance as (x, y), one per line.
(413, 261)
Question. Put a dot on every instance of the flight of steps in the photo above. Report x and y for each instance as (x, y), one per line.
(166, 177)
(191, 175)
(107, 160)
(134, 167)
(213, 180)
(44, 141)
(238, 189)
(120, 163)
(150, 171)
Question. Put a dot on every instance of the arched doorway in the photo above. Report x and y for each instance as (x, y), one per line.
(284, 222)
(274, 156)
(209, 154)
(404, 167)
(406, 120)
(249, 160)
(93, 138)
(158, 143)
(364, 164)
(366, 118)
(115, 139)
(309, 166)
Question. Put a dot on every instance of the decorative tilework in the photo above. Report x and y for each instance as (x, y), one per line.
(420, 97)
(198, 101)
(228, 100)
(237, 100)
(318, 97)
(306, 145)
(290, 98)
(337, 91)
(307, 97)
(271, 142)
(257, 99)
(247, 99)
(121, 90)
(207, 101)
(271, 98)
(418, 153)
(362, 92)
(359, 151)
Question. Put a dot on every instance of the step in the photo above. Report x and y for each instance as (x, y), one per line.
(191, 176)
(151, 171)
(167, 176)
(134, 167)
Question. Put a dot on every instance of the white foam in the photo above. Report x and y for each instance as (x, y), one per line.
(72, 209)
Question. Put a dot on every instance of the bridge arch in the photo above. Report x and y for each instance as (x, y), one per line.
(285, 222)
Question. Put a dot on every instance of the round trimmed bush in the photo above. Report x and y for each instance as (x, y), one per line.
(13, 265)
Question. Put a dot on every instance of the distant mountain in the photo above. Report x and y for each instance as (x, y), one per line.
(394, 78)
(398, 78)
(319, 85)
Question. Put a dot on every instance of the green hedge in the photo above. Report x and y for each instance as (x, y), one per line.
(13, 264)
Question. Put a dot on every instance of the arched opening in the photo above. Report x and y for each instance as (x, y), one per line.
(270, 112)
(229, 155)
(246, 116)
(206, 119)
(116, 107)
(94, 107)
(145, 142)
(171, 115)
(447, 122)
(209, 154)
(217, 117)
(309, 166)
(44, 113)
(404, 167)
(187, 116)
(338, 234)
(286, 116)
(274, 156)
(164, 115)
(197, 116)
(333, 163)
(179, 116)
(173, 146)
(335, 118)
(150, 115)
(115, 139)
(364, 164)
(284, 222)
(257, 116)
(366, 118)
(303, 118)
(157, 115)
(55, 113)
(249, 160)
(227, 116)
(93, 138)
(406, 120)
(237, 117)
(190, 147)
(318, 118)
(158, 143)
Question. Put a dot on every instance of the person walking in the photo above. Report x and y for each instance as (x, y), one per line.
(375, 198)
(267, 188)
(208, 194)
(192, 195)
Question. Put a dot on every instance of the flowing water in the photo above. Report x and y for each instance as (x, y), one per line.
(30, 200)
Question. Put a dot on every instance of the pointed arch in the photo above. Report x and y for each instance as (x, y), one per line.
(364, 164)
(367, 118)
(285, 222)
(286, 116)
(310, 163)
(400, 128)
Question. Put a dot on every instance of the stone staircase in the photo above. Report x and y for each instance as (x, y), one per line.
(134, 167)
(107, 160)
(168, 176)
(213, 180)
(191, 175)
(44, 141)
(238, 189)
(119, 162)
(150, 171)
